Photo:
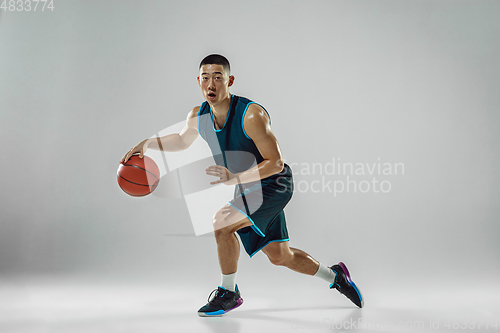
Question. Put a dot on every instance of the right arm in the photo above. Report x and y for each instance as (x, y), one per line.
(172, 142)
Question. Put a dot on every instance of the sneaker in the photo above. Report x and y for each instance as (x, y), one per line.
(222, 302)
(344, 285)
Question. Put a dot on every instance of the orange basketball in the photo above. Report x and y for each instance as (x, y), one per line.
(139, 176)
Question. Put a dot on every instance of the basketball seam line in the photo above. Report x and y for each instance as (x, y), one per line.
(138, 167)
(155, 184)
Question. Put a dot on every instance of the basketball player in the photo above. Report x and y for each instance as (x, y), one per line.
(234, 123)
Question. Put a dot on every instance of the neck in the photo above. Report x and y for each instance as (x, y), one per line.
(222, 107)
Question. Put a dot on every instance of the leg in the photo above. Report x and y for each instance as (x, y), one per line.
(280, 254)
(226, 222)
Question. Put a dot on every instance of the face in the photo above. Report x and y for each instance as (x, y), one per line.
(214, 83)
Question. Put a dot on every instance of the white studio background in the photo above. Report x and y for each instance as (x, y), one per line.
(409, 82)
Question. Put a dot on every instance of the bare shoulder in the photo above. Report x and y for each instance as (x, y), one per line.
(192, 118)
(256, 115)
(256, 122)
(194, 112)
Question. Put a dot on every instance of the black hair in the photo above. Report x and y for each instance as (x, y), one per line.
(216, 59)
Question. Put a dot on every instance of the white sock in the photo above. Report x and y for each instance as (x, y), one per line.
(229, 282)
(326, 273)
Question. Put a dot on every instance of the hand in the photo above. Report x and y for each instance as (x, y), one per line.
(140, 148)
(225, 176)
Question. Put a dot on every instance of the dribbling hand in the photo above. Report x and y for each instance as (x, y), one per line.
(139, 148)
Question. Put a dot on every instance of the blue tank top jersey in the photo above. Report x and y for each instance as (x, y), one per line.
(231, 146)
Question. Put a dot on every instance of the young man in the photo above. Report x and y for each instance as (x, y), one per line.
(264, 185)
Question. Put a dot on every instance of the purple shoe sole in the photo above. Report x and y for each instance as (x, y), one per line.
(239, 301)
(348, 276)
(346, 271)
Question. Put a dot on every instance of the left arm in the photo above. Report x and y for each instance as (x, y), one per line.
(258, 128)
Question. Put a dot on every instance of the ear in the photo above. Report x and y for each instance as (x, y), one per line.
(198, 79)
(231, 81)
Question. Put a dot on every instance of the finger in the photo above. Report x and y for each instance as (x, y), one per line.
(220, 180)
(215, 167)
(215, 173)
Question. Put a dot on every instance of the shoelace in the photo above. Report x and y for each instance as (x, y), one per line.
(216, 298)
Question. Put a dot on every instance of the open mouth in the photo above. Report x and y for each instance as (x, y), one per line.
(211, 95)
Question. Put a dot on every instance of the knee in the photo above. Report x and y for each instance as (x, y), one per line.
(220, 225)
(226, 222)
(278, 259)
